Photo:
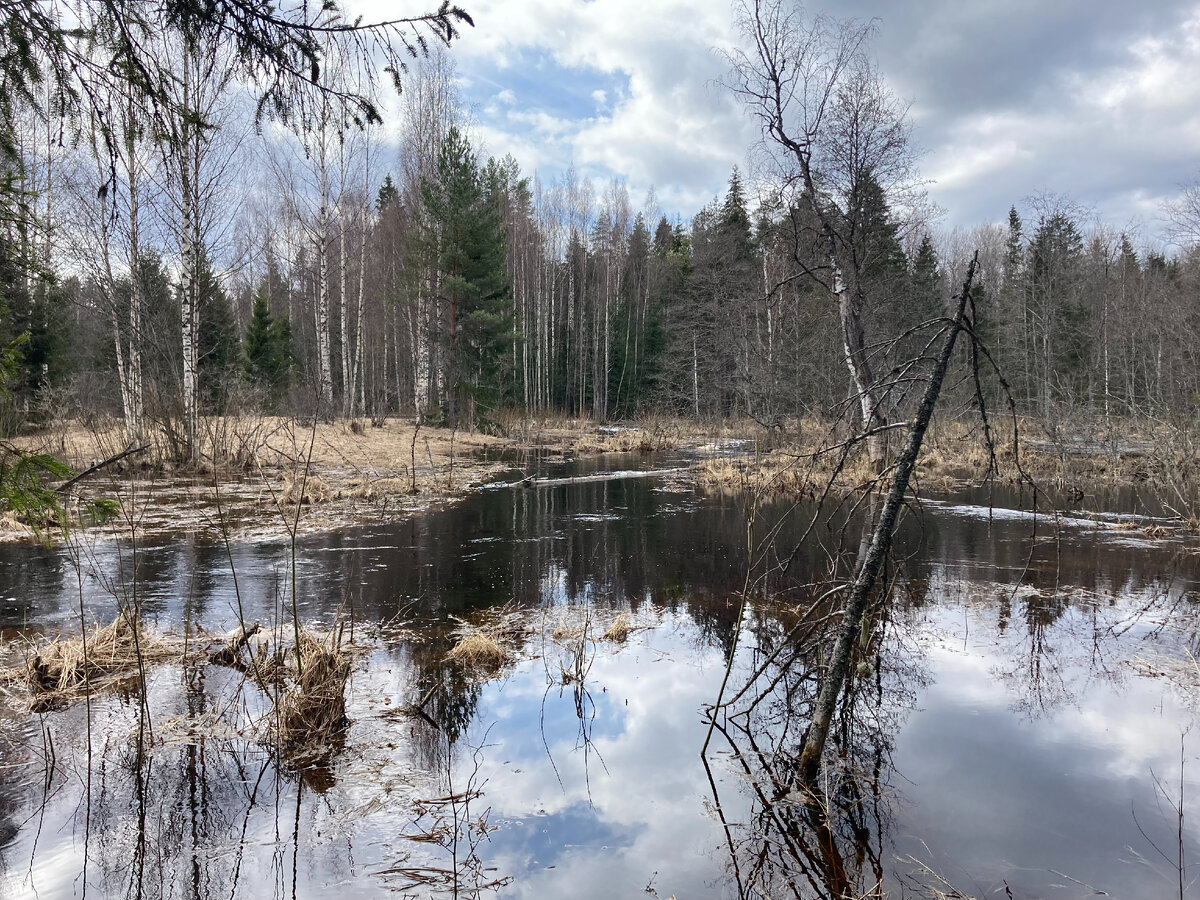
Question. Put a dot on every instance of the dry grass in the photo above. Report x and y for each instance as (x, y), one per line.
(619, 630)
(11, 525)
(312, 713)
(650, 433)
(479, 651)
(371, 488)
(70, 666)
(626, 440)
(770, 473)
(276, 441)
(298, 488)
(493, 637)
(954, 454)
(352, 471)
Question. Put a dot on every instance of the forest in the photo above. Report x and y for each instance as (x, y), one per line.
(192, 259)
(382, 516)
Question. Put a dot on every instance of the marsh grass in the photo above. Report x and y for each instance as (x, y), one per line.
(70, 666)
(479, 651)
(311, 714)
(955, 454)
(491, 638)
(303, 489)
(373, 488)
(618, 631)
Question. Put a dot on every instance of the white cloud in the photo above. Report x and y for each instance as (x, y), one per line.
(670, 128)
(1095, 100)
(648, 705)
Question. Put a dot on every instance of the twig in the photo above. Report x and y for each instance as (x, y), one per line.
(66, 486)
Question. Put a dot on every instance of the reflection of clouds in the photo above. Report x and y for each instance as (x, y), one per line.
(648, 795)
(52, 873)
(1001, 795)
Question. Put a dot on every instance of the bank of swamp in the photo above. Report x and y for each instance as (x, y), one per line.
(508, 695)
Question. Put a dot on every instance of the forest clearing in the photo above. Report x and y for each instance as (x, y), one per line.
(563, 449)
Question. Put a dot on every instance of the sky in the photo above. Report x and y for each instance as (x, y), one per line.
(1097, 101)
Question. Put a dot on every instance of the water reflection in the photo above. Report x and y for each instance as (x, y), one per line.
(1002, 651)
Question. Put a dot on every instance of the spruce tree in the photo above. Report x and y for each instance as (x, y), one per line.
(267, 356)
(218, 342)
(467, 224)
(926, 282)
(388, 194)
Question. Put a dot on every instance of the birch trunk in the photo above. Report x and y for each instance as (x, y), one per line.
(880, 546)
(131, 388)
(321, 313)
(344, 279)
(357, 379)
(189, 287)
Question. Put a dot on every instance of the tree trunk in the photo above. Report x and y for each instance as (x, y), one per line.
(135, 408)
(358, 377)
(881, 542)
(189, 281)
(344, 297)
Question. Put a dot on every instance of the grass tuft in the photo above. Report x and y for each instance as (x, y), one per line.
(479, 651)
(72, 665)
(312, 713)
(619, 630)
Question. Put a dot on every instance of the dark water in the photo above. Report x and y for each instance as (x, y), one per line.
(1021, 718)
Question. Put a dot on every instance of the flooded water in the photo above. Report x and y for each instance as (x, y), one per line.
(1020, 719)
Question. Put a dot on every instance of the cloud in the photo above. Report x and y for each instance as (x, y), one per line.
(1095, 100)
(1092, 98)
(608, 840)
(620, 88)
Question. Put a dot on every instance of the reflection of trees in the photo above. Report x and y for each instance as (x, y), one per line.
(161, 822)
(786, 838)
(451, 696)
(1054, 645)
(175, 812)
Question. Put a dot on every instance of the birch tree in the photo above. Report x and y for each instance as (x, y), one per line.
(834, 128)
(105, 237)
(830, 126)
(198, 154)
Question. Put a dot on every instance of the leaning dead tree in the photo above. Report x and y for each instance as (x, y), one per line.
(839, 143)
(881, 538)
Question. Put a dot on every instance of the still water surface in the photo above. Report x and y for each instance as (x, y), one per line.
(1024, 722)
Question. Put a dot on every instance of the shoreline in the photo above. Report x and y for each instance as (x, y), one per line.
(354, 474)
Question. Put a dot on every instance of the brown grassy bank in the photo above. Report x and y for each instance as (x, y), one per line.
(275, 475)
(803, 460)
(270, 476)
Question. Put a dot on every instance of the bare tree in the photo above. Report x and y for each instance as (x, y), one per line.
(431, 105)
(840, 142)
(103, 235)
(199, 149)
(1183, 215)
(839, 139)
